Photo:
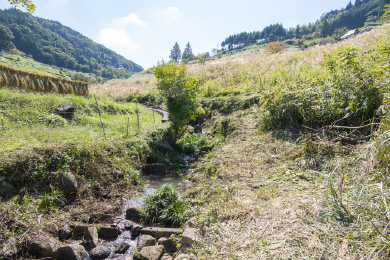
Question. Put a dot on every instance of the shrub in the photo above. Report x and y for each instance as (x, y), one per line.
(275, 47)
(165, 207)
(179, 92)
(350, 94)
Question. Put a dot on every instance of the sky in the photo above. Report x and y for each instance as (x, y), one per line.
(145, 31)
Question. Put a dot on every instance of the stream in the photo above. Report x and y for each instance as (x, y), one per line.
(151, 185)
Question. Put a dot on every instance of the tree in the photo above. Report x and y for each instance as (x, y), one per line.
(187, 54)
(175, 53)
(6, 37)
(179, 91)
(28, 4)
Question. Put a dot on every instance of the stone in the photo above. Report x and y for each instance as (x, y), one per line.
(89, 234)
(151, 253)
(136, 230)
(145, 240)
(66, 111)
(68, 183)
(128, 225)
(168, 244)
(71, 252)
(100, 218)
(185, 257)
(191, 236)
(91, 237)
(159, 232)
(121, 248)
(108, 233)
(6, 189)
(157, 169)
(166, 257)
(64, 233)
(43, 246)
(133, 213)
(190, 223)
(100, 252)
(10, 249)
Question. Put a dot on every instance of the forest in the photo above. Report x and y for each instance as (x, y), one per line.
(52, 43)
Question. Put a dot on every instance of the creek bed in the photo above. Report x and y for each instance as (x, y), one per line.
(151, 186)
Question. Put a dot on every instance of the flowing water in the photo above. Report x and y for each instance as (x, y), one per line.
(125, 237)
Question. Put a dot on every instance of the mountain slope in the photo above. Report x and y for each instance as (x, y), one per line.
(52, 43)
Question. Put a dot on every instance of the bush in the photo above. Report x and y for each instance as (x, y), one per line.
(350, 94)
(179, 92)
(275, 47)
(165, 207)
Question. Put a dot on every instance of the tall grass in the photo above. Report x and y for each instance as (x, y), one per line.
(14, 78)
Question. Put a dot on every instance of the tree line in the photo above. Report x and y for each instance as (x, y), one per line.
(351, 17)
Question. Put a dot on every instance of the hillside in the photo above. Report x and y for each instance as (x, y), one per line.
(301, 171)
(333, 23)
(52, 43)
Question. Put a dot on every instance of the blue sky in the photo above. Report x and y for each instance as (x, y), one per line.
(146, 30)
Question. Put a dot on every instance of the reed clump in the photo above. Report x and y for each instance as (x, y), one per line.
(14, 78)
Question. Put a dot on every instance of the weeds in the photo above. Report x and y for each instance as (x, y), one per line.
(165, 207)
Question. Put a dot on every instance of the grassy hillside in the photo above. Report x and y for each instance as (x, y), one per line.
(302, 169)
(28, 119)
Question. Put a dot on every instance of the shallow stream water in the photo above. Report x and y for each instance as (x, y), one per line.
(125, 237)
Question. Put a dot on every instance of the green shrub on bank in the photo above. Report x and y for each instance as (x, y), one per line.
(350, 94)
(165, 207)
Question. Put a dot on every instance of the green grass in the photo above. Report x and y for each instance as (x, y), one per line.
(28, 119)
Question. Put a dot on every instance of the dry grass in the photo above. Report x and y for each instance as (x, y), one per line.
(22, 80)
(270, 199)
(249, 71)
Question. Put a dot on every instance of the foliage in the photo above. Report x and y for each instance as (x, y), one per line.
(175, 55)
(28, 4)
(52, 43)
(275, 47)
(350, 94)
(179, 91)
(187, 54)
(51, 201)
(6, 37)
(165, 207)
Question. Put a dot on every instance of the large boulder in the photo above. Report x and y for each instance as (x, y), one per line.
(71, 252)
(100, 252)
(145, 240)
(6, 189)
(191, 236)
(66, 111)
(136, 230)
(157, 169)
(133, 213)
(151, 253)
(91, 237)
(68, 183)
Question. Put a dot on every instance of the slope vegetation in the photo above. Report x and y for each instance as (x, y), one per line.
(52, 43)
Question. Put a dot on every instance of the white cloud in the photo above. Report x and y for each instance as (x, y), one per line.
(118, 40)
(130, 19)
(172, 13)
